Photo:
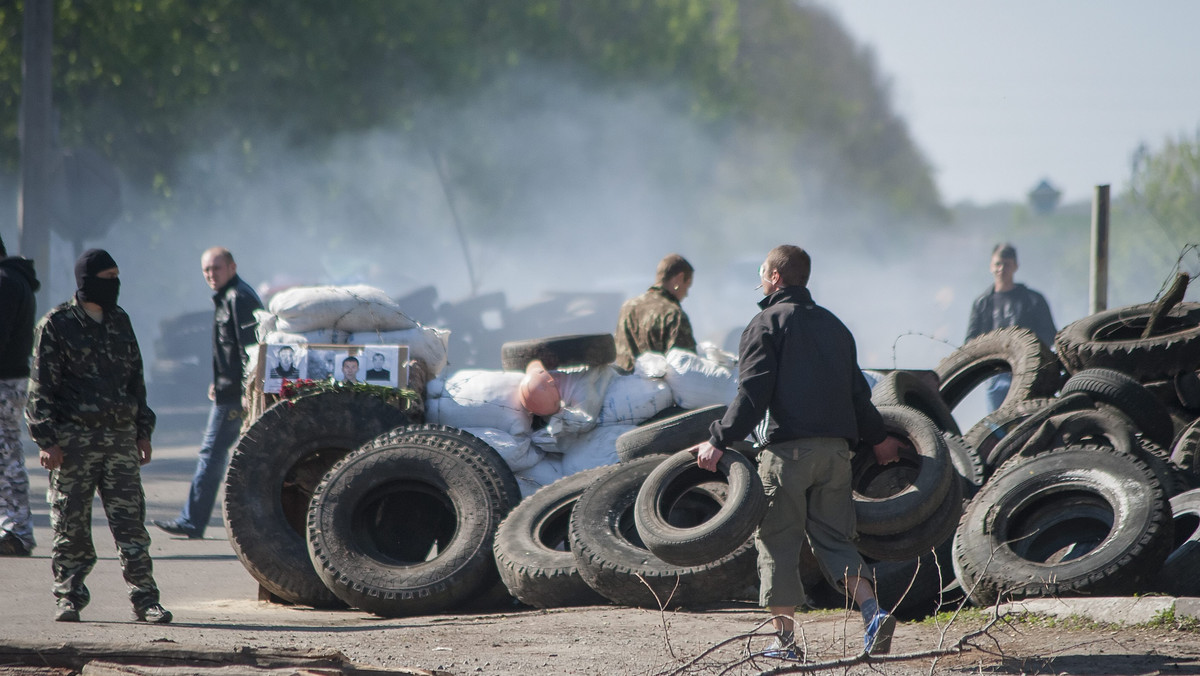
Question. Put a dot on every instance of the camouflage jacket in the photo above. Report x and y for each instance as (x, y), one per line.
(652, 322)
(86, 375)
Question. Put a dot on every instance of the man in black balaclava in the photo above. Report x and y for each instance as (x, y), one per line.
(94, 280)
(87, 413)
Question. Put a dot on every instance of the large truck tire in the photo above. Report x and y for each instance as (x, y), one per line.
(1080, 520)
(533, 551)
(1112, 339)
(273, 472)
(1034, 368)
(405, 525)
(614, 562)
(903, 388)
(559, 351)
(896, 497)
(667, 435)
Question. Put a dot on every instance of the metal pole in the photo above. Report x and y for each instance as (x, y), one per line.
(36, 137)
(1098, 296)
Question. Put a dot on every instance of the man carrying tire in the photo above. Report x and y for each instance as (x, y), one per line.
(233, 330)
(1006, 304)
(799, 364)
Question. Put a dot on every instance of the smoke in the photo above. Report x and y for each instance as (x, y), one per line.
(560, 186)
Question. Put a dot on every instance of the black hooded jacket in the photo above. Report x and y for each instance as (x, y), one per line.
(799, 363)
(18, 310)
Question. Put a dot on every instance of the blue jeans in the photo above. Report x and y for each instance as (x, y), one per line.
(998, 389)
(224, 426)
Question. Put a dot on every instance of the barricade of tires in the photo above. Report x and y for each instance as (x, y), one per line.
(1083, 482)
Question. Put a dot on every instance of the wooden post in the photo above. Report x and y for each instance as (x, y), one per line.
(1098, 295)
(36, 138)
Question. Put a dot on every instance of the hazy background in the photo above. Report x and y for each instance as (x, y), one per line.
(579, 186)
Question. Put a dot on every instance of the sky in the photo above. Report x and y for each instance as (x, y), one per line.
(999, 95)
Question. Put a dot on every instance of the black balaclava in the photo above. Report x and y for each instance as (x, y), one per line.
(93, 289)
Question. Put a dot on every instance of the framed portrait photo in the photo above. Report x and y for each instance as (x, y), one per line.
(385, 365)
(284, 362)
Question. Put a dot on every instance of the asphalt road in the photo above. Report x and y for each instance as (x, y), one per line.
(193, 574)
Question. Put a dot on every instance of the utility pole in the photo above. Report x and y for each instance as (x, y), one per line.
(1098, 298)
(36, 136)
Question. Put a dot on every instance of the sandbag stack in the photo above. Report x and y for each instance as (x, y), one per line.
(349, 315)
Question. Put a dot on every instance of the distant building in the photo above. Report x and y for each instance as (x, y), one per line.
(1044, 198)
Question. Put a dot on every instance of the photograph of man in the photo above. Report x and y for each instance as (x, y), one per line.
(320, 364)
(285, 363)
(377, 370)
(350, 370)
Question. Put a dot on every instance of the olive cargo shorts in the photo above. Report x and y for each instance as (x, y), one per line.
(807, 482)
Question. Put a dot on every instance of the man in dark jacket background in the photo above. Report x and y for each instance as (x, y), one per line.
(233, 331)
(798, 363)
(1005, 304)
(18, 310)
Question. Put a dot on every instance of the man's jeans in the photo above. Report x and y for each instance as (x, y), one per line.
(998, 389)
(224, 426)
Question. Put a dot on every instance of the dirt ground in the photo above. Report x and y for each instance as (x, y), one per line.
(216, 608)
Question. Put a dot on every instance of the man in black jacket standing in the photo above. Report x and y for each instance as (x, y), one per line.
(799, 364)
(233, 331)
(18, 282)
(1005, 304)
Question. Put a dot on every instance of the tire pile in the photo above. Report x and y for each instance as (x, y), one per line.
(1083, 482)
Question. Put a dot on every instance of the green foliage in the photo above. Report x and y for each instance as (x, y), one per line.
(402, 398)
(149, 81)
(1166, 184)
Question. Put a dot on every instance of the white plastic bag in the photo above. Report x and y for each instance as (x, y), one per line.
(317, 336)
(517, 451)
(582, 395)
(478, 398)
(651, 365)
(426, 343)
(633, 399)
(349, 308)
(593, 449)
(544, 473)
(697, 382)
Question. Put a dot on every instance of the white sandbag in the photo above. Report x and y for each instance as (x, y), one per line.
(426, 343)
(651, 365)
(478, 398)
(265, 323)
(518, 451)
(633, 400)
(544, 440)
(527, 486)
(697, 382)
(592, 449)
(544, 473)
(349, 308)
(720, 357)
(582, 395)
(316, 336)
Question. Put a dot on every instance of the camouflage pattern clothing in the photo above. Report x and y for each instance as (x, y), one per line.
(15, 520)
(652, 322)
(87, 395)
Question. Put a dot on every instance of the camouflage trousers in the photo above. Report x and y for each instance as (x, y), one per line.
(14, 480)
(103, 460)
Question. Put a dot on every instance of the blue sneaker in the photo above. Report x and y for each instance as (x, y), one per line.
(877, 640)
(781, 650)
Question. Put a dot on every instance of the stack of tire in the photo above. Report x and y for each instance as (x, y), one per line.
(1080, 483)
(1087, 488)
(656, 531)
(337, 498)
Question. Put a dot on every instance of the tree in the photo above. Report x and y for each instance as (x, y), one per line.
(1166, 183)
